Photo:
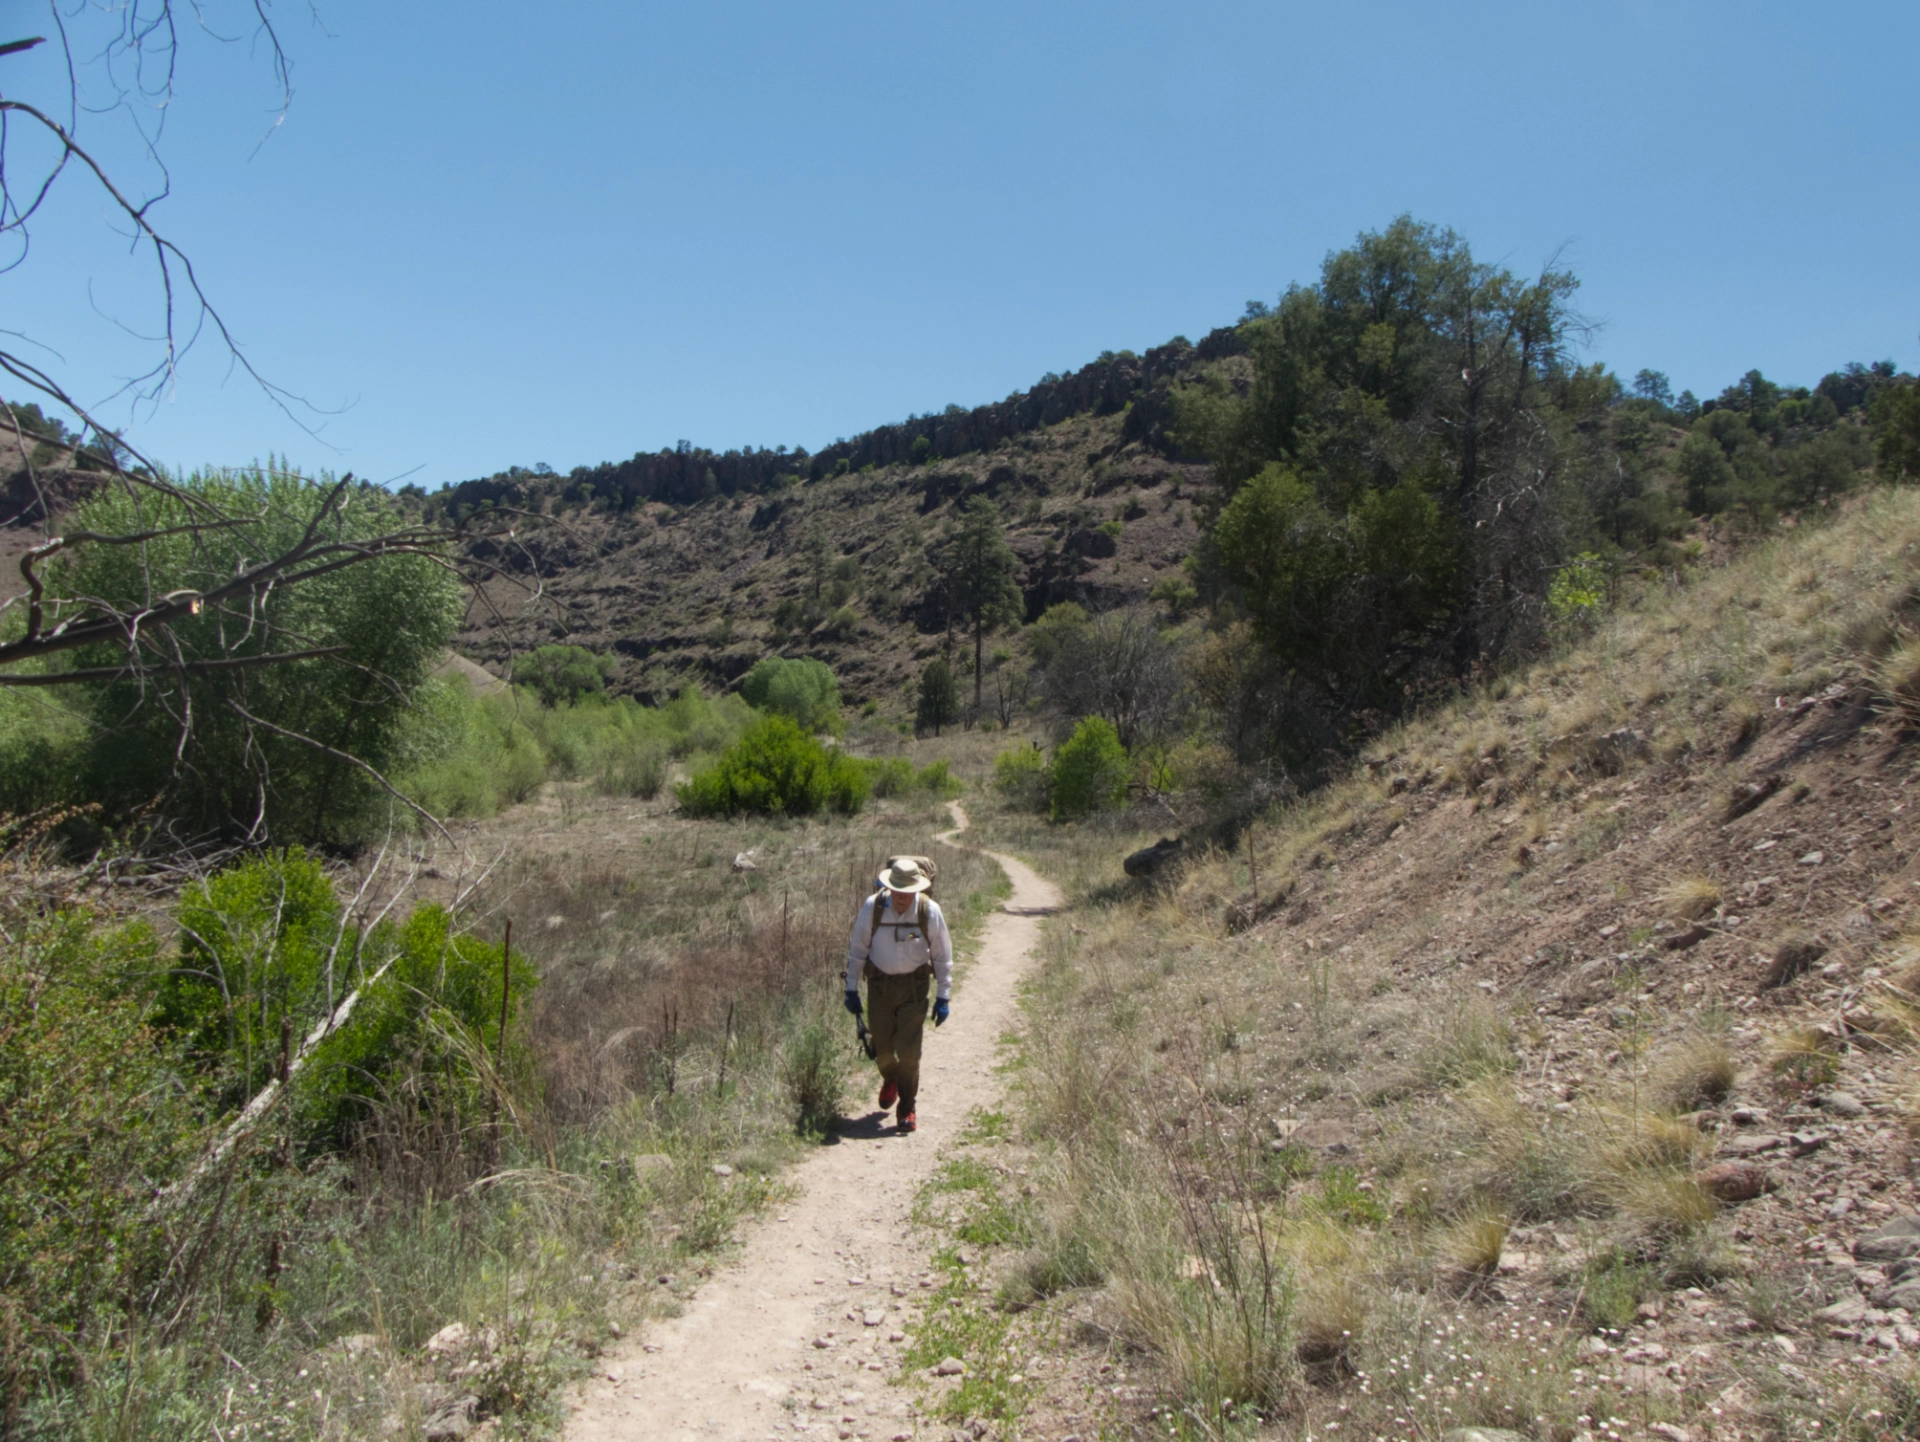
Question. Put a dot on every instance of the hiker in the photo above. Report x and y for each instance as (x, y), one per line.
(899, 942)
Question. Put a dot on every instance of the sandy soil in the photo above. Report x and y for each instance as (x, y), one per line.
(800, 1334)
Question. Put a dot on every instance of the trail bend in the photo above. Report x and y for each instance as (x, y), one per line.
(742, 1357)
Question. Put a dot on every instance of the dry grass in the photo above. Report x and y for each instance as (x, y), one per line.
(1698, 1072)
(1689, 898)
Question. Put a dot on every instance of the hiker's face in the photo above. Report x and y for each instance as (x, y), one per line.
(901, 899)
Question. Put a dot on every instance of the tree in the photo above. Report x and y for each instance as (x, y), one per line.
(979, 568)
(805, 690)
(249, 706)
(939, 703)
(1089, 771)
(200, 577)
(1120, 668)
(561, 675)
(1896, 419)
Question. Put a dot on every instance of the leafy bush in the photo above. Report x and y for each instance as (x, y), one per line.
(1089, 771)
(775, 768)
(1021, 775)
(93, 1116)
(895, 776)
(563, 674)
(803, 689)
(266, 956)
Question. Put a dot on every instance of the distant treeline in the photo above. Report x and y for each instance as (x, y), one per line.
(688, 474)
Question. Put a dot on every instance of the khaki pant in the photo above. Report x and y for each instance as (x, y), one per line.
(897, 1018)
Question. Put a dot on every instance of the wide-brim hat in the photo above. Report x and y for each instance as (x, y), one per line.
(902, 874)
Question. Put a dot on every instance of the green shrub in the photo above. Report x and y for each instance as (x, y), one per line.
(563, 674)
(1089, 771)
(95, 1117)
(265, 946)
(803, 689)
(1020, 774)
(895, 776)
(775, 768)
(813, 1065)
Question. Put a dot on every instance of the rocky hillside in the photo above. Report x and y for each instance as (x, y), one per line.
(681, 564)
(1577, 1029)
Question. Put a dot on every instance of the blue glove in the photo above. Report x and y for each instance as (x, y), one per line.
(853, 1003)
(939, 1011)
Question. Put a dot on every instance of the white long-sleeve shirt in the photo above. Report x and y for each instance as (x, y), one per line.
(899, 946)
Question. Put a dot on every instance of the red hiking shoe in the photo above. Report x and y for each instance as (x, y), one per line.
(889, 1094)
(907, 1122)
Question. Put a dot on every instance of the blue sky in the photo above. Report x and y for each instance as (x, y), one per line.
(499, 234)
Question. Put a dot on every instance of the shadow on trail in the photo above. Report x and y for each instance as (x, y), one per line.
(875, 1126)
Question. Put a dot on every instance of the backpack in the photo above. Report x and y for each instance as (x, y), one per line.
(932, 873)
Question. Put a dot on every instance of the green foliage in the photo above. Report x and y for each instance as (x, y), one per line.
(392, 616)
(939, 699)
(432, 996)
(1089, 771)
(921, 451)
(1176, 593)
(563, 674)
(1352, 601)
(1578, 592)
(1046, 636)
(978, 568)
(1896, 422)
(91, 1116)
(473, 755)
(777, 769)
(266, 956)
(806, 690)
(814, 1066)
(895, 776)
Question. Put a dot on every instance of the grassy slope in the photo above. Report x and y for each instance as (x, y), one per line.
(1453, 1094)
(652, 586)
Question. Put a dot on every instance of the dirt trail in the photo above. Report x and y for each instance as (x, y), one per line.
(745, 1355)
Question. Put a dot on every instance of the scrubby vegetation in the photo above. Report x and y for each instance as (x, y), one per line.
(188, 1239)
(1424, 1103)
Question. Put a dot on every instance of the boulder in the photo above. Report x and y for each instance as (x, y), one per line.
(1896, 1241)
(1149, 860)
(1735, 1181)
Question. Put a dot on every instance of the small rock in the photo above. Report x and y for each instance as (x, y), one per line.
(1671, 1432)
(872, 1319)
(1645, 1352)
(1748, 1116)
(1841, 1104)
(1752, 1145)
(1813, 858)
(1844, 1313)
(1613, 930)
(450, 1420)
(1791, 958)
(358, 1344)
(743, 861)
(721, 1169)
(896, 1336)
(1805, 1144)
(449, 1340)
(1841, 1206)
(822, 1343)
(1784, 1344)
(950, 1367)
(1735, 1181)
